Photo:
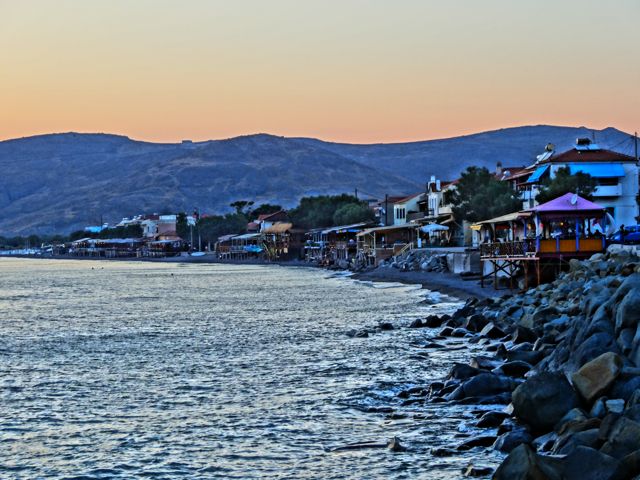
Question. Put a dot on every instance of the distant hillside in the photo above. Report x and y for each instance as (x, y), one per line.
(60, 182)
(446, 158)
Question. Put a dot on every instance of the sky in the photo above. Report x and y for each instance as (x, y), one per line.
(342, 70)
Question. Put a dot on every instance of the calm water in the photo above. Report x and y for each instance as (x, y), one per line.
(147, 370)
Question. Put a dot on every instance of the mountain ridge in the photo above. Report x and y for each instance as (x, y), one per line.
(63, 181)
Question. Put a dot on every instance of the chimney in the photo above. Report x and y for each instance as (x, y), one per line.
(499, 168)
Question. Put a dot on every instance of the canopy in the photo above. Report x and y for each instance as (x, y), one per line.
(598, 170)
(434, 227)
(385, 229)
(224, 238)
(569, 202)
(346, 228)
(509, 217)
(246, 236)
(535, 176)
(278, 228)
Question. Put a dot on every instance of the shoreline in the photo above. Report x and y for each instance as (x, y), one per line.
(442, 282)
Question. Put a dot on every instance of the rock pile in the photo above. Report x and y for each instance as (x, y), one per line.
(418, 260)
(565, 358)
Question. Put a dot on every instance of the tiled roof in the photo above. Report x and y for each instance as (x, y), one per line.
(574, 155)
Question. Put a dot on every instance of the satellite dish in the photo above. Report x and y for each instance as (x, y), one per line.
(574, 199)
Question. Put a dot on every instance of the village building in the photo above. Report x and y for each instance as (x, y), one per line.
(615, 173)
(383, 209)
(334, 245)
(268, 220)
(381, 243)
(542, 238)
(407, 209)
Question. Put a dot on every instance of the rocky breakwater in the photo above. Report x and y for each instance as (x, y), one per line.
(418, 260)
(563, 359)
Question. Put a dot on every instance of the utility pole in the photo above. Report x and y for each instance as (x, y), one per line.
(386, 209)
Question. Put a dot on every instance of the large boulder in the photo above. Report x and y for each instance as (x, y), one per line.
(623, 438)
(543, 400)
(524, 464)
(628, 312)
(588, 463)
(596, 377)
(483, 385)
(510, 440)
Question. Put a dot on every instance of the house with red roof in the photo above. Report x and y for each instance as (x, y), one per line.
(615, 173)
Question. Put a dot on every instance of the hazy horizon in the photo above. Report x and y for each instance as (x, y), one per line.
(314, 138)
(350, 71)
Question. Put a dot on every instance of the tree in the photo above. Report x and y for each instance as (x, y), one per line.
(316, 212)
(264, 209)
(353, 213)
(564, 182)
(242, 206)
(128, 231)
(182, 228)
(479, 195)
(215, 226)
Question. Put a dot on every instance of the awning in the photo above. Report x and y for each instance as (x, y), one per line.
(279, 228)
(509, 217)
(225, 238)
(246, 236)
(388, 228)
(346, 228)
(433, 227)
(598, 170)
(535, 176)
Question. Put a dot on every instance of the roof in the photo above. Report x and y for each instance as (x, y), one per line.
(245, 236)
(346, 227)
(225, 238)
(278, 228)
(406, 199)
(569, 202)
(603, 155)
(512, 172)
(387, 228)
(509, 217)
(266, 216)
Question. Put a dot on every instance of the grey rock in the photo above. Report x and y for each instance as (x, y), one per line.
(491, 419)
(524, 464)
(542, 400)
(588, 463)
(623, 438)
(512, 439)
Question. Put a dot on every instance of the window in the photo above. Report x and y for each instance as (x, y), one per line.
(401, 213)
(608, 181)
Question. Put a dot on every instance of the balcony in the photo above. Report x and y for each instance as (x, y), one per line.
(608, 191)
(411, 216)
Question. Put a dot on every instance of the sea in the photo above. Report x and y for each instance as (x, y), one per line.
(121, 370)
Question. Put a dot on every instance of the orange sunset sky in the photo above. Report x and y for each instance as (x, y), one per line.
(344, 70)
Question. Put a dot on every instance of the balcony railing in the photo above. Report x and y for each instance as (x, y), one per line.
(532, 247)
(520, 248)
(608, 191)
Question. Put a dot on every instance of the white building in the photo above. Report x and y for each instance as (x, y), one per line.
(404, 209)
(615, 173)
